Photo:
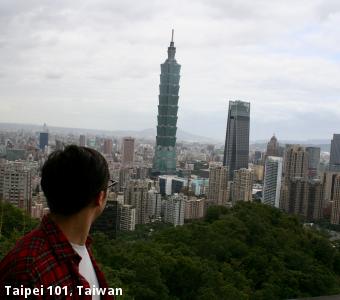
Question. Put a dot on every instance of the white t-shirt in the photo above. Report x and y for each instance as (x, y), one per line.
(86, 268)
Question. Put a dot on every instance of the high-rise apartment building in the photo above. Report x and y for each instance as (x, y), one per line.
(194, 208)
(334, 160)
(107, 147)
(16, 183)
(313, 161)
(242, 186)
(218, 191)
(236, 151)
(303, 197)
(128, 151)
(127, 217)
(136, 194)
(174, 210)
(295, 162)
(272, 181)
(154, 204)
(165, 152)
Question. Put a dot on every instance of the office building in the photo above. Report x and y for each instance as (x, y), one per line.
(242, 185)
(165, 152)
(174, 209)
(273, 147)
(218, 191)
(334, 160)
(236, 151)
(335, 214)
(199, 186)
(128, 151)
(313, 161)
(109, 221)
(272, 181)
(43, 140)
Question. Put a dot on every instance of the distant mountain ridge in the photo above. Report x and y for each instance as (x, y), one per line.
(148, 133)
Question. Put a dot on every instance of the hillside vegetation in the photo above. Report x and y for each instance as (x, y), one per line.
(251, 251)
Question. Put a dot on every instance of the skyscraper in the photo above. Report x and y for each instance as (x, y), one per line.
(128, 150)
(165, 152)
(334, 161)
(236, 151)
(272, 181)
(273, 147)
(43, 140)
(335, 217)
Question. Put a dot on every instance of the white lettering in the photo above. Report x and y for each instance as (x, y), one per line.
(16, 292)
(27, 292)
(80, 289)
(7, 287)
(119, 292)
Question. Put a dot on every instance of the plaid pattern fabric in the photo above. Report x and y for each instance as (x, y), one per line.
(44, 258)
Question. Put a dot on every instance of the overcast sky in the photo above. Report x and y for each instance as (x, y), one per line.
(96, 64)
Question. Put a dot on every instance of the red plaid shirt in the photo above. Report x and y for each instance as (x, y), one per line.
(44, 259)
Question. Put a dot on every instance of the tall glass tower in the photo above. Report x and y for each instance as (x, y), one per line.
(165, 154)
(236, 151)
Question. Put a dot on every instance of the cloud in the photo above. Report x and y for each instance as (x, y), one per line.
(101, 59)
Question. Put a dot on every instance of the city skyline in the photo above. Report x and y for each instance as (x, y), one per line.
(281, 57)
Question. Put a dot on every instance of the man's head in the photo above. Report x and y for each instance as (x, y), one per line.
(74, 178)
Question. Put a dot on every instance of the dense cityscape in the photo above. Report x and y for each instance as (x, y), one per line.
(175, 183)
(232, 215)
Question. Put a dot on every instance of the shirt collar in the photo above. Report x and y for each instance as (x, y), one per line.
(58, 241)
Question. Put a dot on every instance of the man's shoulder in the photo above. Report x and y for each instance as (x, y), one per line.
(26, 254)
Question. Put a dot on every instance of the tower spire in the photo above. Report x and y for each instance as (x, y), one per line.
(171, 48)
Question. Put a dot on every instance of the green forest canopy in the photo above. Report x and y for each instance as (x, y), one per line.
(251, 251)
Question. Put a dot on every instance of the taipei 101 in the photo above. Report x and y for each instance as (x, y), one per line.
(170, 150)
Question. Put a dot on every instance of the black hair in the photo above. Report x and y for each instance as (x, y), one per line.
(72, 178)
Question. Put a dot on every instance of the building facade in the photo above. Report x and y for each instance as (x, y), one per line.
(334, 160)
(272, 181)
(165, 152)
(128, 151)
(218, 191)
(236, 151)
(242, 185)
(313, 161)
(174, 210)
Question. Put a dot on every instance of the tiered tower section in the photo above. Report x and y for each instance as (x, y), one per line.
(165, 152)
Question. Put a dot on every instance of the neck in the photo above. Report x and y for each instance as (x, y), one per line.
(76, 227)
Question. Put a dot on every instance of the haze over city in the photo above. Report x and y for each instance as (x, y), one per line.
(96, 64)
